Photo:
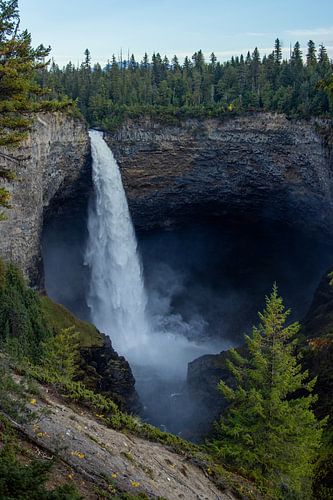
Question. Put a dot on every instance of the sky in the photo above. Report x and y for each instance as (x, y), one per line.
(225, 27)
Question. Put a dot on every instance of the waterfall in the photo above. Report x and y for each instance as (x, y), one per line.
(116, 298)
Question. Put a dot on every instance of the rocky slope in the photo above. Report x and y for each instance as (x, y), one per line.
(250, 167)
(52, 166)
(102, 461)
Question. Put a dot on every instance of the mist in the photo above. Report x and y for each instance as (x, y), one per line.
(204, 284)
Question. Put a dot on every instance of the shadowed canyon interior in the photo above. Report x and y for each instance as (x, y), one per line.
(221, 211)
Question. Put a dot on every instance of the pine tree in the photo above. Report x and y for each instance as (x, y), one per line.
(296, 56)
(18, 64)
(269, 431)
(23, 326)
(18, 88)
(255, 68)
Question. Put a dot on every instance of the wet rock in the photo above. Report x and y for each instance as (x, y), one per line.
(203, 376)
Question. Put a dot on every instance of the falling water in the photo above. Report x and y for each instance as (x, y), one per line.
(117, 298)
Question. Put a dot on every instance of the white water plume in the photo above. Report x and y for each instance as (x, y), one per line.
(117, 297)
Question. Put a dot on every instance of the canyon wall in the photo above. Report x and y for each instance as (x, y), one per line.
(52, 167)
(248, 167)
(242, 168)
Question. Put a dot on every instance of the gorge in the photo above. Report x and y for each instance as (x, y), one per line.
(222, 209)
(166, 243)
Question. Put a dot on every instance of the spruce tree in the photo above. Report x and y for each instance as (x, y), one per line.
(311, 58)
(277, 51)
(269, 431)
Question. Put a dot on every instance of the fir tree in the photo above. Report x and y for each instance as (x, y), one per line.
(269, 430)
(87, 59)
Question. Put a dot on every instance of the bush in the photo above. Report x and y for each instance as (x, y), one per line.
(21, 481)
(22, 325)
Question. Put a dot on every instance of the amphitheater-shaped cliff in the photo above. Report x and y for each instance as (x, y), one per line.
(248, 168)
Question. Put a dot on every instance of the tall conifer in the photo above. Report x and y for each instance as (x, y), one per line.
(269, 430)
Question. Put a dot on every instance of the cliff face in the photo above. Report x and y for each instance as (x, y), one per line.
(53, 171)
(261, 165)
(52, 166)
(104, 371)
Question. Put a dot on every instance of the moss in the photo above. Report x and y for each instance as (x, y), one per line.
(58, 318)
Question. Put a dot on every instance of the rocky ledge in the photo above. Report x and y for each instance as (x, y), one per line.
(249, 167)
(104, 371)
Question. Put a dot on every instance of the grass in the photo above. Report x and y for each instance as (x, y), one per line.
(58, 318)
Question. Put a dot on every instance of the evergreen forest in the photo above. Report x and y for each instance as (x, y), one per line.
(297, 86)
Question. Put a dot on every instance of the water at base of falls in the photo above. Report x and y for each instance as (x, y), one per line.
(117, 297)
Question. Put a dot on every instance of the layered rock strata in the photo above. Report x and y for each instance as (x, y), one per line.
(253, 167)
(52, 167)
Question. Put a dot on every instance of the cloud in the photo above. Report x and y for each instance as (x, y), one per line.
(315, 32)
(256, 34)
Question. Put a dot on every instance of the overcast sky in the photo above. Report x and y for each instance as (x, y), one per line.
(171, 27)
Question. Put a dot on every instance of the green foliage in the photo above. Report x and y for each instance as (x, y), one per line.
(331, 278)
(12, 395)
(61, 353)
(318, 357)
(58, 317)
(22, 325)
(196, 88)
(323, 479)
(269, 430)
(21, 94)
(19, 90)
(20, 481)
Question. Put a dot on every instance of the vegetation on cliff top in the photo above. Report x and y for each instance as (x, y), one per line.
(170, 89)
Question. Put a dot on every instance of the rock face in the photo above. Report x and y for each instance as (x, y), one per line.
(203, 376)
(52, 167)
(109, 461)
(319, 319)
(105, 372)
(256, 166)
